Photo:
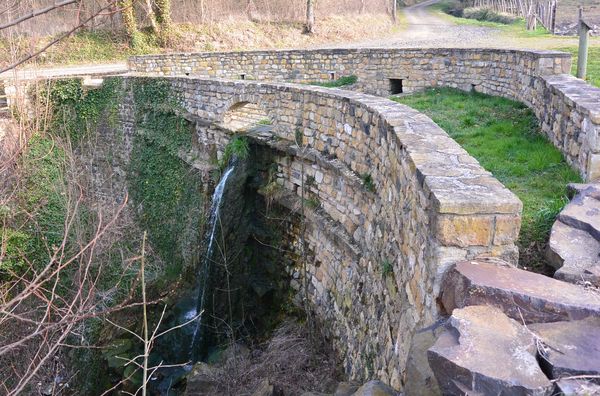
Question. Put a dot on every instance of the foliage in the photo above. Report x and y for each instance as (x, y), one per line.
(386, 268)
(237, 148)
(504, 136)
(77, 111)
(368, 183)
(312, 203)
(485, 14)
(167, 190)
(340, 82)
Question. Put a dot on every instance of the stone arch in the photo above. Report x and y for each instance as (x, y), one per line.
(244, 115)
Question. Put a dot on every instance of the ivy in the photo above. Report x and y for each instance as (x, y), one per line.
(167, 190)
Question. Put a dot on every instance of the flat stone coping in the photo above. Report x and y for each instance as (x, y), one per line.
(457, 182)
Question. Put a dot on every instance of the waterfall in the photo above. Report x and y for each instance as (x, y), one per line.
(204, 273)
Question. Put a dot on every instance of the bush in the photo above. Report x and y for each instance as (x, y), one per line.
(452, 7)
(484, 14)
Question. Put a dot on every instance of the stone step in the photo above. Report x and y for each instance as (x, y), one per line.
(570, 348)
(583, 213)
(575, 254)
(483, 352)
(522, 295)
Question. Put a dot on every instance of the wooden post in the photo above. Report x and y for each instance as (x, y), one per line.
(553, 23)
(394, 11)
(582, 55)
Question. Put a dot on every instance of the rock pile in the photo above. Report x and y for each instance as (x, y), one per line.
(513, 332)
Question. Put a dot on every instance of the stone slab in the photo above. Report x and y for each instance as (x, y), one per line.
(520, 294)
(575, 254)
(484, 352)
(573, 348)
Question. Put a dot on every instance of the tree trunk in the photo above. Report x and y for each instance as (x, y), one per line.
(152, 16)
(165, 23)
(128, 15)
(394, 11)
(309, 28)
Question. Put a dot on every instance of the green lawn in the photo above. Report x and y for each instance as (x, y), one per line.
(504, 137)
(593, 67)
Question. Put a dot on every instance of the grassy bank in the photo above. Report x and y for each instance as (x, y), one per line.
(236, 33)
(593, 68)
(504, 137)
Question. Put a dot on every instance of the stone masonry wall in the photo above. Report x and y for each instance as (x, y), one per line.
(568, 109)
(378, 255)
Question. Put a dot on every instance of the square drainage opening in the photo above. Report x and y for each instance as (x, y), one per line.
(395, 86)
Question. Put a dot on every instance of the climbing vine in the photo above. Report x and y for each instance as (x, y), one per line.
(166, 190)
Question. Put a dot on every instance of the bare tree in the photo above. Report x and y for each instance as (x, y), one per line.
(309, 27)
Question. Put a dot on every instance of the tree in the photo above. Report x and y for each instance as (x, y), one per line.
(128, 15)
(309, 27)
(165, 23)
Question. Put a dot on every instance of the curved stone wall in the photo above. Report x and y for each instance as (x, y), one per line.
(568, 108)
(378, 253)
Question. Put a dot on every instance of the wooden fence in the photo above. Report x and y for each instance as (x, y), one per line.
(534, 11)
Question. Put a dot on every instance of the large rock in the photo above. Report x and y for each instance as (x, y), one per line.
(575, 254)
(420, 380)
(577, 387)
(203, 380)
(521, 295)
(574, 247)
(483, 352)
(375, 388)
(573, 348)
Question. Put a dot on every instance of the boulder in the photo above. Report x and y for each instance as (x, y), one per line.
(484, 352)
(375, 388)
(203, 380)
(574, 387)
(574, 247)
(420, 380)
(575, 254)
(520, 294)
(573, 348)
(345, 389)
(266, 388)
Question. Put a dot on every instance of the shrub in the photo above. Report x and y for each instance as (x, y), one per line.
(485, 14)
(452, 7)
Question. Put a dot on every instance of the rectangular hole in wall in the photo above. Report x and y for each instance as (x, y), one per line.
(395, 86)
(332, 75)
(242, 76)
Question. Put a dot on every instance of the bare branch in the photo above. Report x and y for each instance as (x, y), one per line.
(35, 13)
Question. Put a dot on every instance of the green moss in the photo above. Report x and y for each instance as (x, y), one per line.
(504, 137)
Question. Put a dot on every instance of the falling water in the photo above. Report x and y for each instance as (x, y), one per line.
(207, 261)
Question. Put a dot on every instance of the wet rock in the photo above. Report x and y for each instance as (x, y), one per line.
(483, 352)
(574, 387)
(520, 294)
(375, 388)
(573, 348)
(420, 379)
(345, 389)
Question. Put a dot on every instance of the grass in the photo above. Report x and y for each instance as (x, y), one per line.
(593, 68)
(504, 137)
(340, 82)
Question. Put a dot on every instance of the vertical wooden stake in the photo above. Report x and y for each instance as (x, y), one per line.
(582, 55)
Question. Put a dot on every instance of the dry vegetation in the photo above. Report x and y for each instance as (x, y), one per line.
(200, 25)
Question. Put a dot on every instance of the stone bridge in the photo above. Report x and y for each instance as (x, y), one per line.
(379, 251)
(407, 226)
